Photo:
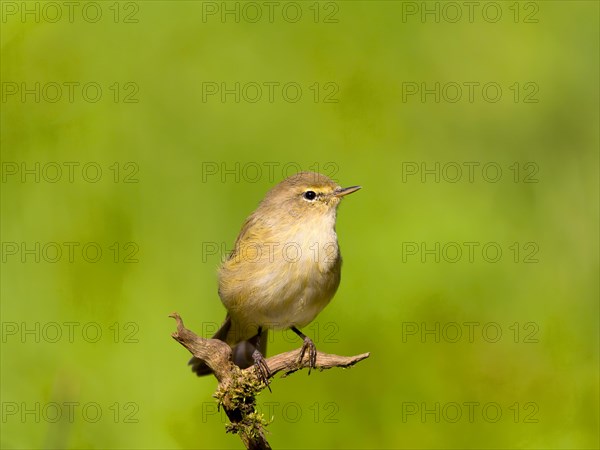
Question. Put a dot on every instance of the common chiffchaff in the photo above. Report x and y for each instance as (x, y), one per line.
(284, 269)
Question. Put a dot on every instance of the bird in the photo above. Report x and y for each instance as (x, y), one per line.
(284, 269)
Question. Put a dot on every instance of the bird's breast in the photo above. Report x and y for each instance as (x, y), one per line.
(283, 281)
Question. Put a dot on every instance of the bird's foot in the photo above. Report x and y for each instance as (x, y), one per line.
(312, 353)
(261, 367)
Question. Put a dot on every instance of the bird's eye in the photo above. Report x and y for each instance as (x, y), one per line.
(310, 195)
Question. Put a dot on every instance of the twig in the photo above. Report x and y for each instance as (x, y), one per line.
(238, 388)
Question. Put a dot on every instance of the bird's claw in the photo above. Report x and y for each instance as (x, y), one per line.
(312, 353)
(261, 367)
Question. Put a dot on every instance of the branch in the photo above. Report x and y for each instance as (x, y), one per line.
(288, 362)
(238, 388)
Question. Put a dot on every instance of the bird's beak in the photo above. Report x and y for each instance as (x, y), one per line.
(345, 191)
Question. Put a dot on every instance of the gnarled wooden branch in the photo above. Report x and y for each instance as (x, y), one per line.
(238, 388)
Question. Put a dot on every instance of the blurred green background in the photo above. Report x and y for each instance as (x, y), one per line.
(465, 352)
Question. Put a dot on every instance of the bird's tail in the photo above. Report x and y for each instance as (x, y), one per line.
(242, 351)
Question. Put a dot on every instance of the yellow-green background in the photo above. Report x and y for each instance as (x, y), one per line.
(369, 133)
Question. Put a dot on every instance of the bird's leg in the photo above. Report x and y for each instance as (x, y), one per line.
(260, 363)
(307, 345)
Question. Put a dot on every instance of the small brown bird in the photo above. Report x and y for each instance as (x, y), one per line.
(284, 269)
